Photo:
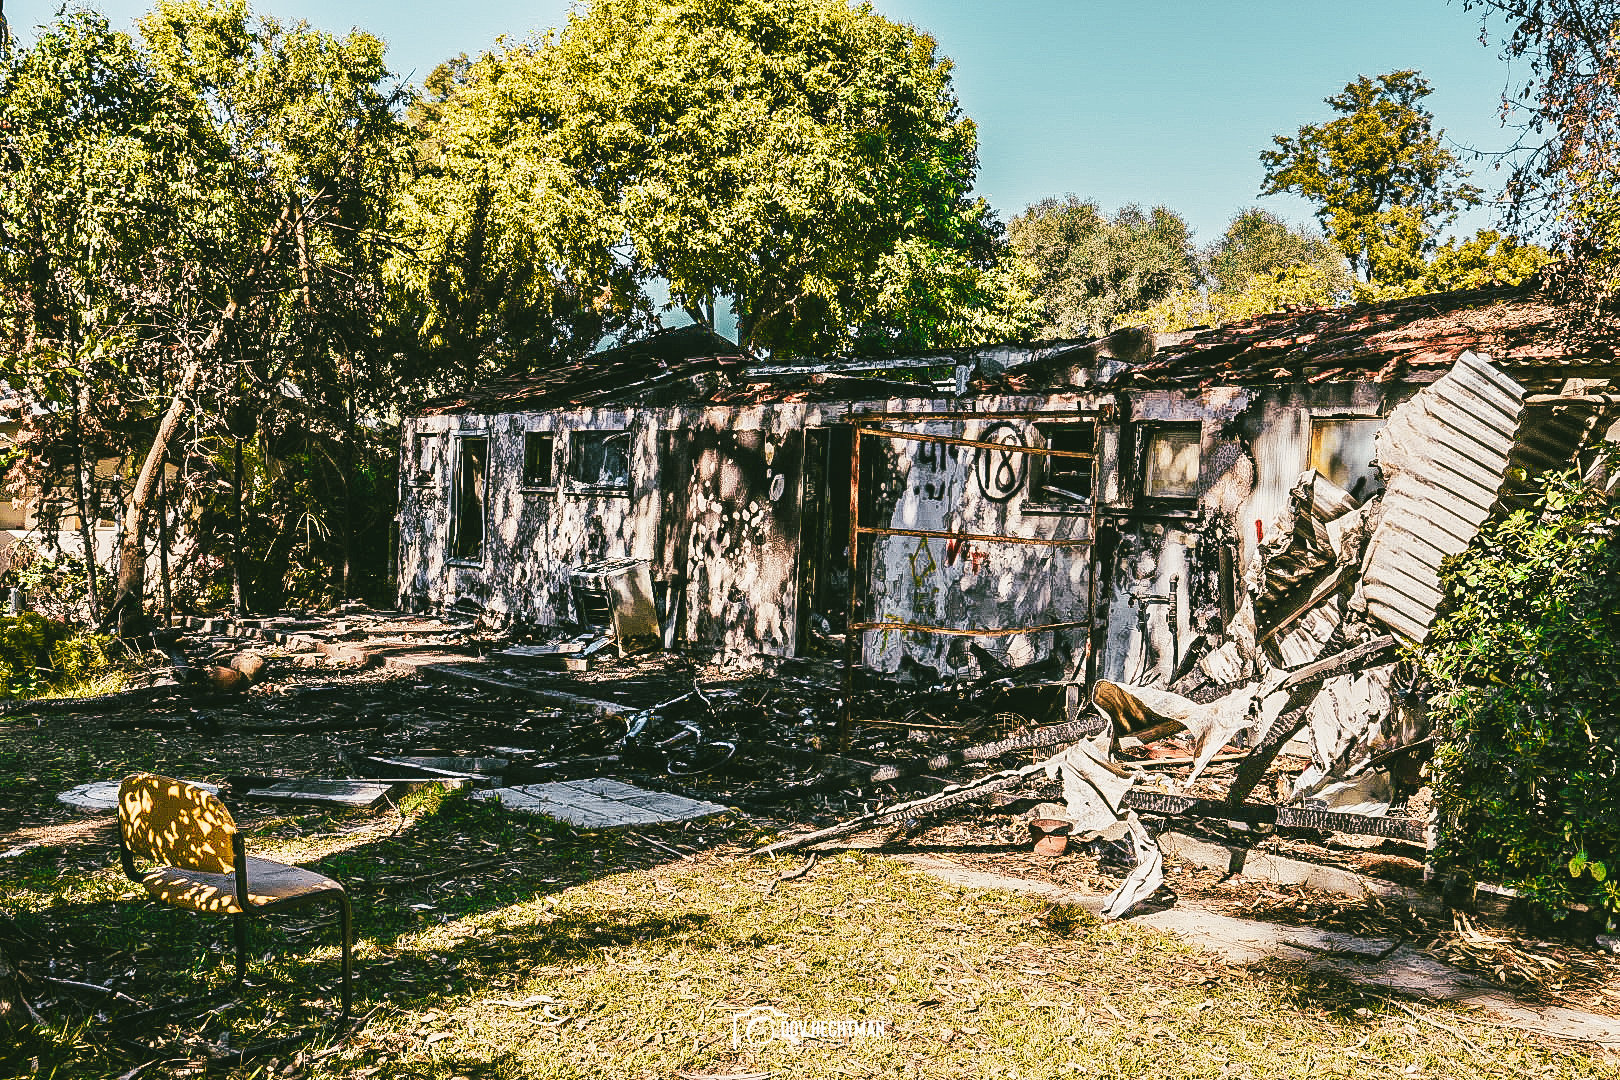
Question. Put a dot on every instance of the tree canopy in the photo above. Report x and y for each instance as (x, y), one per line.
(1565, 180)
(1258, 265)
(1090, 268)
(1383, 181)
(1258, 243)
(804, 162)
(193, 223)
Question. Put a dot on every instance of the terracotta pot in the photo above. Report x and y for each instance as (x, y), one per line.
(1051, 835)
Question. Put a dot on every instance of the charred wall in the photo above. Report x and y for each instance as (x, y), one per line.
(929, 581)
(1179, 562)
(715, 499)
(535, 527)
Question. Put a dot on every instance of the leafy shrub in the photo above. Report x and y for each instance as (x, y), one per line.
(38, 654)
(26, 641)
(78, 658)
(55, 586)
(1527, 772)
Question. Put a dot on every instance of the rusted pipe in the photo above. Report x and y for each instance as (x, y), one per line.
(934, 534)
(953, 440)
(852, 634)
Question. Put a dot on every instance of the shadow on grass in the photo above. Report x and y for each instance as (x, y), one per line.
(91, 928)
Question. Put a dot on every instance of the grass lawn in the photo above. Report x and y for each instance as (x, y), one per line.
(497, 945)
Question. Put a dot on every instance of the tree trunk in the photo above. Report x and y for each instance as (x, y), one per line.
(128, 607)
(87, 537)
(163, 549)
(238, 605)
(348, 496)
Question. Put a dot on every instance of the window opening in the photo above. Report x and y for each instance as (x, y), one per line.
(1066, 479)
(1171, 460)
(1342, 450)
(600, 459)
(538, 452)
(471, 487)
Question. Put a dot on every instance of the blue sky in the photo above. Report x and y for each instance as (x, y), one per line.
(1149, 101)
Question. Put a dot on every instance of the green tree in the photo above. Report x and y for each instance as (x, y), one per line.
(1487, 258)
(198, 218)
(1565, 178)
(804, 162)
(1259, 265)
(1259, 244)
(501, 270)
(1527, 769)
(1090, 268)
(1384, 183)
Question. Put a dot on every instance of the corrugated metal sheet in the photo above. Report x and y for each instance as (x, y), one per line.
(1445, 456)
(1549, 438)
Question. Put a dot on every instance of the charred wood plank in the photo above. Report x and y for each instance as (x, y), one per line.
(1362, 656)
(454, 674)
(929, 804)
(1254, 766)
(1411, 830)
(1030, 740)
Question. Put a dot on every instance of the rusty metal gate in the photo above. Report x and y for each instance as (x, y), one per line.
(1002, 467)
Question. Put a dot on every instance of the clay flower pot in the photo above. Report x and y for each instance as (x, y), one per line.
(1051, 835)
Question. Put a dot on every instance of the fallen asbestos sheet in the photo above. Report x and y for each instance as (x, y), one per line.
(1444, 456)
(600, 803)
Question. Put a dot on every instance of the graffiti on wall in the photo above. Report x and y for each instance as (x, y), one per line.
(1001, 473)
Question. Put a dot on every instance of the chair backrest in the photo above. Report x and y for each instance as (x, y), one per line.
(175, 823)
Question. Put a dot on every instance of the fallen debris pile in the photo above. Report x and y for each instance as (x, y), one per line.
(1309, 660)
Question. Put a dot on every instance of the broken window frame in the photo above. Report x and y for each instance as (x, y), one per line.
(1063, 500)
(106, 499)
(459, 554)
(1149, 433)
(577, 440)
(533, 480)
(422, 470)
(1322, 423)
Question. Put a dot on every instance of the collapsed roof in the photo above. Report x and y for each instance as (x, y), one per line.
(1415, 339)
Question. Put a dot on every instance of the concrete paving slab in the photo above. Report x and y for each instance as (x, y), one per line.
(607, 789)
(359, 794)
(101, 796)
(600, 803)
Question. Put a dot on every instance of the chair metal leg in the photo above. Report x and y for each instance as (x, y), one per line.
(348, 955)
(239, 929)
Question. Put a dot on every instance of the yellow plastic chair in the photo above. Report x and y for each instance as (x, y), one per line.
(187, 831)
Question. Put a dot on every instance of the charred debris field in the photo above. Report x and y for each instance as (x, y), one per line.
(492, 942)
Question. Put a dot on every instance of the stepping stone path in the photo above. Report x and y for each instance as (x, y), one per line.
(600, 803)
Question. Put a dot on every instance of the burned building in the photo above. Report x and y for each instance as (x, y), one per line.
(1108, 503)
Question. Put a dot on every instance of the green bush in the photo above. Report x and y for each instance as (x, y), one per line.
(1527, 770)
(39, 654)
(26, 642)
(55, 587)
(78, 658)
